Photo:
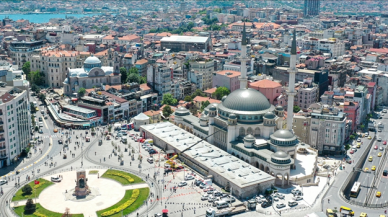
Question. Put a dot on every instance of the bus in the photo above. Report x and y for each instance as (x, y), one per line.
(355, 189)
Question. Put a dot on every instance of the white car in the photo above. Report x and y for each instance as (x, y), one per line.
(279, 195)
(205, 197)
(211, 198)
(3, 182)
(181, 184)
(189, 177)
(298, 198)
(381, 148)
(295, 191)
(366, 134)
(280, 205)
(358, 140)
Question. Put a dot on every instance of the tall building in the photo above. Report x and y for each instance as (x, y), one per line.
(15, 124)
(291, 84)
(311, 7)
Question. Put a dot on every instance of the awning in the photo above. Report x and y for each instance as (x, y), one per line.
(86, 125)
(74, 99)
(165, 211)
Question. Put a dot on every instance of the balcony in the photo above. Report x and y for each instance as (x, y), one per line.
(4, 156)
(1, 112)
(2, 148)
(2, 139)
(1, 130)
(1, 122)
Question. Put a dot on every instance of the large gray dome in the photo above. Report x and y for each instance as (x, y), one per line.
(283, 134)
(246, 100)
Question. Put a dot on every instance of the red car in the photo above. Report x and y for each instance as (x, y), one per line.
(385, 142)
(352, 152)
(376, 147)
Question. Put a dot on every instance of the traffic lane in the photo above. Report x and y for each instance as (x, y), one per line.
(382, 187)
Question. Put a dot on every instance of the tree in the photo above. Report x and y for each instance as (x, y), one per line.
(168, 99)
(133, 77)
(124, 75)
(167, 111)
(221, 92)
(197, 92)
(42, 97)
(362, 126)
(32, 108)
(133, 70)
(27, 189)
(35, 88)
(188, 99)
(296, 109)
(26, 69)
(352, 137)
(204, 105)
(37, 77)
(30, 206)
(142, 79)
(81, 92)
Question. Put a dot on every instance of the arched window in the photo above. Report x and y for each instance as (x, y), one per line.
(249, 131)
(241, 132)
(257, 131)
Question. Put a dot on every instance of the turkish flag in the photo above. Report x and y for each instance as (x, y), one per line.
(36, 182)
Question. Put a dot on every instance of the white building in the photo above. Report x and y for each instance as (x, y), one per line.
(159, 76)
(15, 124)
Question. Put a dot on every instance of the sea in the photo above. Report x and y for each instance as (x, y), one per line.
(41, 18)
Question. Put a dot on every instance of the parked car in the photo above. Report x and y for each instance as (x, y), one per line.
(279, 195)
(3, 182)
(298, 198)
(292, 203)
(150, 160)
(280, 205)
(265, 205)
(189, 177)
(204, 197)
(181, 184)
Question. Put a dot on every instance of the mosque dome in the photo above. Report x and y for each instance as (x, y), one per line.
(283, 138)
(269, 115)
(212, 108)
(279, 108)
(246, 100)
(249, 138)
(92, 60)
(280, 157)
(182, 111)
(232, 116)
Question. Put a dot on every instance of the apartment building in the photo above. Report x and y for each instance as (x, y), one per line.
(201, 73)
(159, 77)
(335, 47)
(301, 127)
(271, 89)
(120, 40)
(307, 93)
(228, 79)
(21, 51)
(328, 130)
(15, 124)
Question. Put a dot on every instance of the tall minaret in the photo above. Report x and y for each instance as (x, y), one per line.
(291, 83)
(243, 78)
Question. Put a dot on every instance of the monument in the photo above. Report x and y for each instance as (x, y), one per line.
(81, 189)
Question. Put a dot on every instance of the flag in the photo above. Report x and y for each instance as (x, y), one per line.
(36, 182)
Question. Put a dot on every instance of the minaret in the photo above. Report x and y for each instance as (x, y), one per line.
(243, 58)
(291, 84)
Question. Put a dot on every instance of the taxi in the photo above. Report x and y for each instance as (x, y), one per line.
(373, 168)
(366, 169)
(379, 154)
(55, 130)
(358, 146)
(369, 137)
(370, 159)
(378, 194)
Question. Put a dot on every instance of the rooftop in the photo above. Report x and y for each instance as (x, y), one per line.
(182, 38)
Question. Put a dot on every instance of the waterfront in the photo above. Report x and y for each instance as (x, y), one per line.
(41, 18)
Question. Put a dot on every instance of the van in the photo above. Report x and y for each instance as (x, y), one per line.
(124, 139)
(221, 204)
(330, 213)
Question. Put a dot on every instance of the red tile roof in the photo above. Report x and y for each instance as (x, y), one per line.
(265, 83)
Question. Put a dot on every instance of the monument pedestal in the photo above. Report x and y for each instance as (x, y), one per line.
(82, 189)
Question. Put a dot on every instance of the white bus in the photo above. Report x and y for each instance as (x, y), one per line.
(355, 189)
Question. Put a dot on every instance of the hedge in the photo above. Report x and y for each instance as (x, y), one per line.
(135, 195)
(125, 176)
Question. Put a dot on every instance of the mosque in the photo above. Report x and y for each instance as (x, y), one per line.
(92, 74)
(247, 126)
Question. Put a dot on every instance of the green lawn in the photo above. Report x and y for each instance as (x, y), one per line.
(93, 171)
(21, 196)
(122, 180)
(20, 211)
(139, 202)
